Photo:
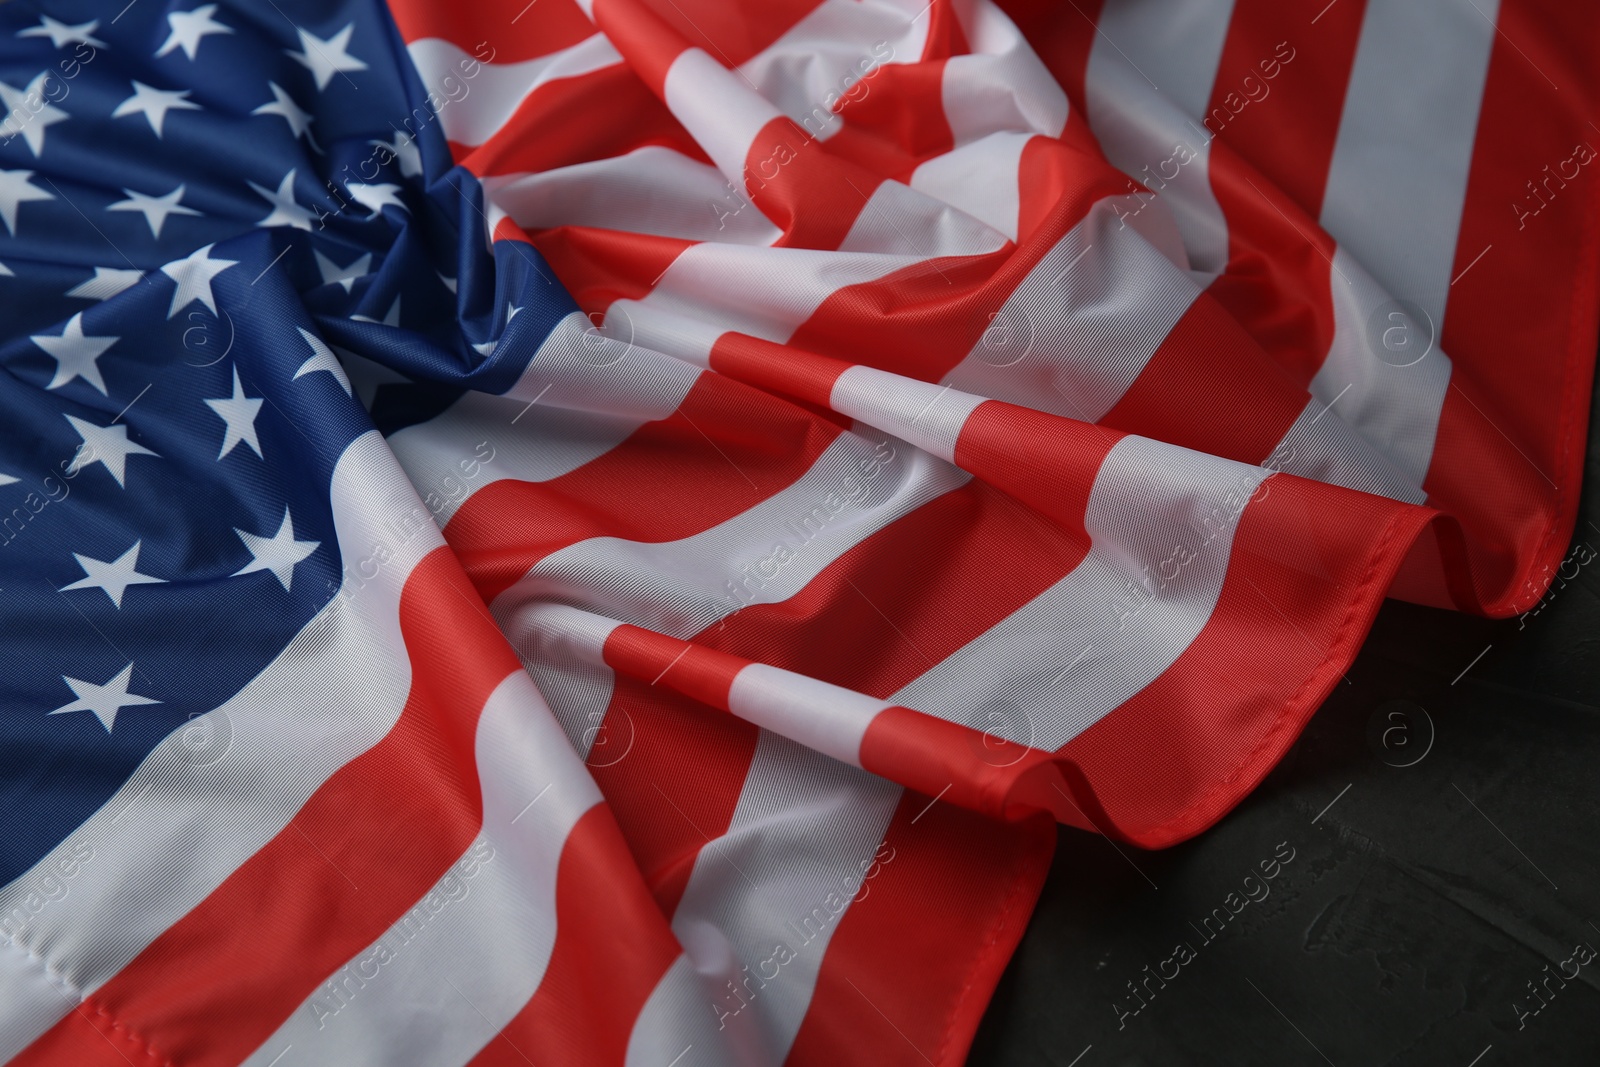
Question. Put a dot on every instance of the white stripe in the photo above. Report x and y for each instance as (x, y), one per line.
(824, 717)
(1393, 405)
(979, 178)
(483, 933)
(828, 718)
(676, 1019)
(1398, 177)
(1001, 83)
(1396, 187)
(681, 587)
(823, 57)
(581, 395)
(747, 892)
(475, 107)
(1073, 337)
(795, 853)
(180, 825)
(710, 290)
(793, 796)
(1060, 663)
(899, 220)
(32, 995)
(1148, 85)
(927, 415)
(764, 555)
(1321, 445)
(718, 109)
(563, 649)
(651, 190)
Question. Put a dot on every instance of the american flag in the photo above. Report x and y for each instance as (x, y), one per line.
(613, 531)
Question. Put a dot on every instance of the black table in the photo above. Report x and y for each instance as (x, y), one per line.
(1441, 809)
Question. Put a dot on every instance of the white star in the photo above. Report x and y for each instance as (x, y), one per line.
(104, 700)
(154, 208)
(283, 105)
(278, 553)
(391, 319)
(193, 275)
(285, 212)
(239, 413)
(345, 276)
(34, 124)
(112, 577)
(404, 149)
(6, 479)
(449, 283)
(326, 58)
(322, 359)
(106, 283)
(7, 272)
(60, 33)
(154, 104)
(376, 197)
(188, 27)
(105, 444)
(16, 190)
(76, 356)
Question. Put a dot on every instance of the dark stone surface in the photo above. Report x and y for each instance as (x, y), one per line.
(1417, 906)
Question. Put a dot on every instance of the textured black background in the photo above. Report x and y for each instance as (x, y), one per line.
(1417, 906)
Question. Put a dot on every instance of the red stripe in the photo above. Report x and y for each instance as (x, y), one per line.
(978, 771)
(1288, 134)
(1252, 342)
(507, 27)
(912, 964)
(830, 631)
(920, 321)
(923, 320)
(873, 621)
(785, 369)
(930, 755)
(1053, 475)
(814, 198)
(363, 850)
(898, 124)
(1061, 38)
(670, 479)
(1044, 172)
(896, 120)
(1269, 176)
(647, 42)
(666, 815)
(1508, 457)
(594, 116)
(836, 629)
(1324, 554)
(733, 33)
(612, 947)
(1211, 388)
(598, 266)
(703, 674)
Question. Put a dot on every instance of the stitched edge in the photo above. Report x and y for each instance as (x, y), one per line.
(82, 1006)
